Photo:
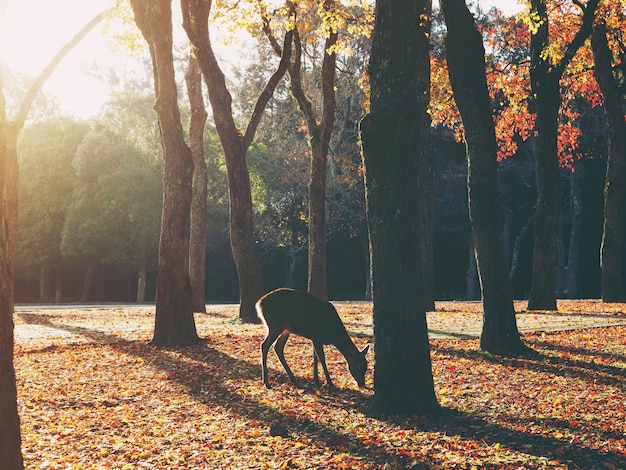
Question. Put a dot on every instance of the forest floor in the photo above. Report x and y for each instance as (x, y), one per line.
(92, 394)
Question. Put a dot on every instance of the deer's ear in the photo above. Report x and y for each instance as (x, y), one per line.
(364, 350)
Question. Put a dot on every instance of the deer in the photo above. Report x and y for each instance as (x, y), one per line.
(285, 311)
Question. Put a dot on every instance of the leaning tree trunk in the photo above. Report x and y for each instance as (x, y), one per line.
(615, 185)
(199, 217)
(10, 443)
(174, 322)
(235, 145)
(545, 74)
(391, 140)
(466, 64)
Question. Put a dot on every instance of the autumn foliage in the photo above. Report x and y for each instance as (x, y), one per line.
(94, 395)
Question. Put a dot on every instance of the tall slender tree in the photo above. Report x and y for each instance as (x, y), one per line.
(174, 322)
(466, 65)
(235, 144)
(615, 186)
(546, 71)
(392, 142)
(320, 132)
(199, 217)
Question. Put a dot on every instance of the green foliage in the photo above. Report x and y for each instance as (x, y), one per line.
(45, 151)
(115, 212)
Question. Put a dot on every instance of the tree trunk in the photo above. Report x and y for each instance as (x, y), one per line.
(235, 145)
(561, 268)
(87, 283)
(517, 248)
(391, 141)
(10, 443)
(466, 64)
(364, 238)
(174, 322)
(611, 251)
(319, 138)
(199, 217)
(471, 292)
(44, 283)
(58, 283)
(545, 75)
(141, 282)
(573, 256)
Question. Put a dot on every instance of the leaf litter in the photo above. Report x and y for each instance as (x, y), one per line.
(92, 394)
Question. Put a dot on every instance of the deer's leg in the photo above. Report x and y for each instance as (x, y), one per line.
(315, 369)
(319, 354)
(265, 347)
(279, 347)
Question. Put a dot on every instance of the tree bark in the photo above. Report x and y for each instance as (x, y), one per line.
(466, 65)
(545, 76)
(174, 322)
(199, 216)
(319, 138)
(392, 143)
(10, 444)
(235, 145)
(611, 251)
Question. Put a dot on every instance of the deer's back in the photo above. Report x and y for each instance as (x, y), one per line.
(301, 314)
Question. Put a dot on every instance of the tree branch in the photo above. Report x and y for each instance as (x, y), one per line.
(45, 74)
(268, 91)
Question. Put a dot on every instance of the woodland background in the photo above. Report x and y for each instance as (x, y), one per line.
(90, 192)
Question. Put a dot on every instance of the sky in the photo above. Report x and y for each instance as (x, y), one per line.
(32, 32)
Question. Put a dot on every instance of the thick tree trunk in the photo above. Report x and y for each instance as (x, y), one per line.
(466, 65)
(235, 145)
(611, 251)
(391, 140)
(199, 217)
(545, 75)
(10, 443)
(547, 216)
(174, 322)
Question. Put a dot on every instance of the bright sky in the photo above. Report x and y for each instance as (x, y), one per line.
(32, 32)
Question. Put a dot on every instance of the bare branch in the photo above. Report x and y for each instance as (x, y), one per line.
(47, 72)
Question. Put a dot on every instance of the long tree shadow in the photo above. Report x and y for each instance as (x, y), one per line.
(550, 364)
(205, 378)
(209, 371)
